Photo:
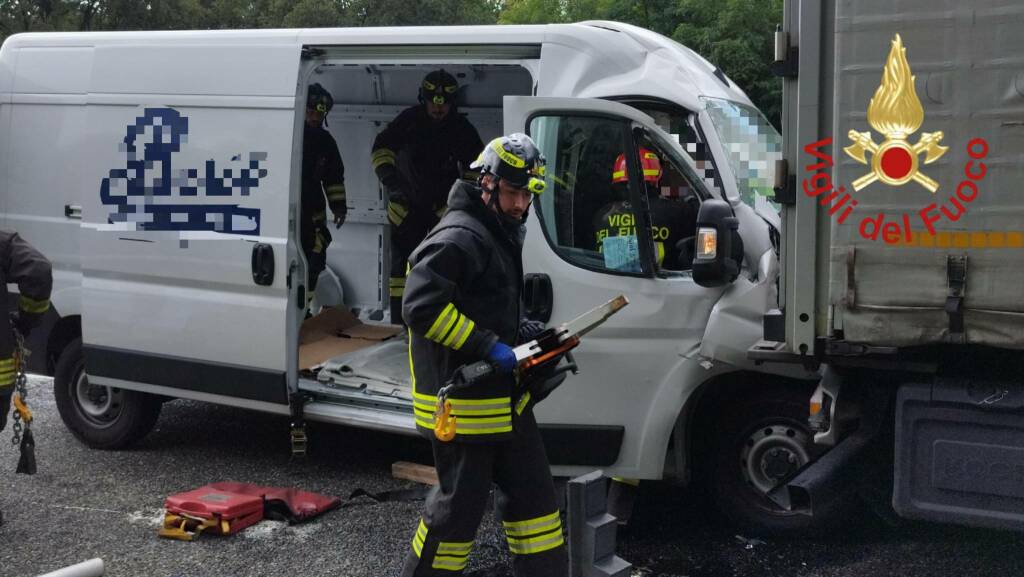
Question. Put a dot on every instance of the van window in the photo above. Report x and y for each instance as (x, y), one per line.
(673, 203)
(585, 210)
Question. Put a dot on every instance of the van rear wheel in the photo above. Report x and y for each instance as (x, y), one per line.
(102, 417)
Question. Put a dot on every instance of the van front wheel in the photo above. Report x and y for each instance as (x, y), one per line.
(761, 443)
(102, 417)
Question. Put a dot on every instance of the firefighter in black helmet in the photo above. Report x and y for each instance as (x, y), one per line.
(462, 305)
(323, 174)
(417, 157)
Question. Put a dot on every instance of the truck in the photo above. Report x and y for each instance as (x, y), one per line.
(160, 172)
(901, 254)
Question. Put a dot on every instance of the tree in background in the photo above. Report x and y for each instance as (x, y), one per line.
(735, 35)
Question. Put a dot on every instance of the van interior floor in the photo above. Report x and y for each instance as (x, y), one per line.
(341, 356)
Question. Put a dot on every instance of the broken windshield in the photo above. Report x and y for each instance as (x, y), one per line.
(753, 145)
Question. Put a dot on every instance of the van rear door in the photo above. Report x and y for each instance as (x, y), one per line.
(186, 250)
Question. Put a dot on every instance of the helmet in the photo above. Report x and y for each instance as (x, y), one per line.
(438, 87)
(319, 98)
(648, 160)
(514, 158)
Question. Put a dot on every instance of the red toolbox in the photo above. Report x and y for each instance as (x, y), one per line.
(210, 510)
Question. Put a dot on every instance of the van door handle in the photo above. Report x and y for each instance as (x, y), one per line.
(538, 297)
(263, 264)
(73, 211)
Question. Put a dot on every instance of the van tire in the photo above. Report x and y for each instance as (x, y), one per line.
(101, 417)
(756, 445)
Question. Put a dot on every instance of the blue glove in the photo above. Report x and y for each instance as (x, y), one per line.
(502, 357)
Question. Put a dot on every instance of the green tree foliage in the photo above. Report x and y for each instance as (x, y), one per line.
(735, 35)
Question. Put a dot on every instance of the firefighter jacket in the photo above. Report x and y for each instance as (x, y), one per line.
(427, 155)
(462, 295)
(322, 174)
(24, 266)
(671, 221)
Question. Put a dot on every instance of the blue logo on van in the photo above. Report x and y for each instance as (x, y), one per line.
(151, 194)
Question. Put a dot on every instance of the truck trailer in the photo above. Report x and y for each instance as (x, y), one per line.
(901, 254)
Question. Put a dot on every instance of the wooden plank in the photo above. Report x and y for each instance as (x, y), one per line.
(414, 472)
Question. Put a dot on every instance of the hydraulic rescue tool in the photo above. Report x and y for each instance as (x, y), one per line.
(536, 372)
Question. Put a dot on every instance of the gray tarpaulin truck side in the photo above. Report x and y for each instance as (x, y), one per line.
(903, 251)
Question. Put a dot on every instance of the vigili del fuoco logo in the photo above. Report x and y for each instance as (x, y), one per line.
(895, 112)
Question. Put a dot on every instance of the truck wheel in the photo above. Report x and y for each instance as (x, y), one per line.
(757, 447)
(101, 417)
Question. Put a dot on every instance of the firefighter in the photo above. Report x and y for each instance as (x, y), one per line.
(462, 305)
(668, 216)
(24, 266)
(323, 174)
(417, 157)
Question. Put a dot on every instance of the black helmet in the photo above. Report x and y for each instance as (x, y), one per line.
(514, 158)
(438, 87)
(319, 98)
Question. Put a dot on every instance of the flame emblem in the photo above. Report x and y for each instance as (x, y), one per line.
(896, 112)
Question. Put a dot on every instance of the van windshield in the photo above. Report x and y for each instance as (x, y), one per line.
(753, 146)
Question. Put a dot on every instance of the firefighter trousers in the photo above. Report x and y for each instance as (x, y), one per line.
(525, 499)
(315, 238)
(404, 239)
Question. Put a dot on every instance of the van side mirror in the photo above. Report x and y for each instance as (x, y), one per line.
(719, 250)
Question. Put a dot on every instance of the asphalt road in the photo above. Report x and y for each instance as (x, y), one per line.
(84, 504)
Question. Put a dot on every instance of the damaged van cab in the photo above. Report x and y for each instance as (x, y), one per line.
(160, 171)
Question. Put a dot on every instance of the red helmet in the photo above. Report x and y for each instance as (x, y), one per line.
(648, 160)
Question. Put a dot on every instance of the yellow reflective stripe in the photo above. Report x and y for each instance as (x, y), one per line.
(464, 429)
(527, 526)
(455, 317)
(419, 538)
(449, 563)
(470, 175)
(441, 318)
(33, 306)
(536, 544)
(6, 363)
(412, 371)
(633, 482)
(336, 192)
(618, 174)
(465, 335)
(521, 404)
(451, 335)
(5, 385)
(453, 548)
(476, 430)
(659, 248)
(396, 286)
(382, 156)
(399, 208)
(394, 216)
(505, 155)
(432, 399)
(651, 172)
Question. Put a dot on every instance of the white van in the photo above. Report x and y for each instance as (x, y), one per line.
(160, 171)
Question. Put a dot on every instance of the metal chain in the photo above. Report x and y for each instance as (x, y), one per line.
(20, 381)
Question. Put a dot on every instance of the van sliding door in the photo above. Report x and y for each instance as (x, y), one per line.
(185, 246)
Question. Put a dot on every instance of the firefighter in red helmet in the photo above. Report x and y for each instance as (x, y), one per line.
(667, 216)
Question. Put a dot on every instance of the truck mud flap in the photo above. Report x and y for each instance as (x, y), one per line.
(829, 477)
(960, 452)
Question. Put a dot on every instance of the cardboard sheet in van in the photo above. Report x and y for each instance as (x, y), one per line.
(336, 331)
